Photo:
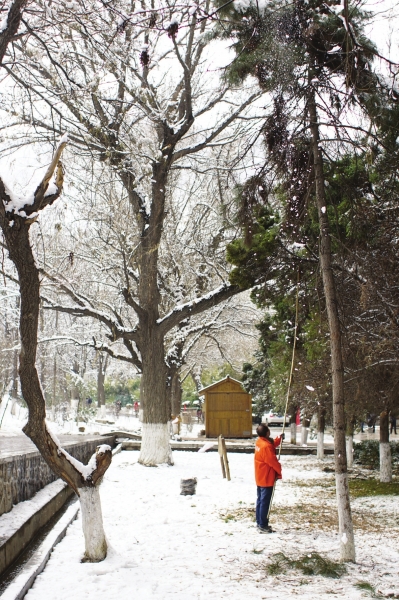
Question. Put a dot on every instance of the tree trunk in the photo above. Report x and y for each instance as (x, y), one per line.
(155, 442)
(92, 524)
(54, 391)
(349, 442)
(321, 425)
(196, 377)
(54, 394)
(14, 389)
(10, 27)
(304, 431)
(75, 389)
(155, 399)
(42, 349)
(385, 449)
(102, 366)
(176, 393)
(344, 509)
(293, 427)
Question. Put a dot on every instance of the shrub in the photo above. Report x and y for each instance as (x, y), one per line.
(367, 453)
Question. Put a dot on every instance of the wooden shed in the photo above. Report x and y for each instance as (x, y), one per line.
(228, 409)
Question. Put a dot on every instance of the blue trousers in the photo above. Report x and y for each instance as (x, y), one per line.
(262, 505)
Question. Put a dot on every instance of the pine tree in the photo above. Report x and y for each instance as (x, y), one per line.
(305, 54)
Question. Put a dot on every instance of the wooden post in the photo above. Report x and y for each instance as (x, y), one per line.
(224, 461)
(220, 451)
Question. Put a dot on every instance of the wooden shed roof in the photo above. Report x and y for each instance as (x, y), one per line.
(221, 382)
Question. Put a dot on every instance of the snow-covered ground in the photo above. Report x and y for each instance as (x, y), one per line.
(163, 545)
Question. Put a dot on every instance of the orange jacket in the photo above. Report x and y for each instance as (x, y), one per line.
(267, 467)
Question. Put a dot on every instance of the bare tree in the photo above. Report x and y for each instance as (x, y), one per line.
(16, 218)
(122, 109)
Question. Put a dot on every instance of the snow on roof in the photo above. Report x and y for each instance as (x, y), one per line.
(227, 378)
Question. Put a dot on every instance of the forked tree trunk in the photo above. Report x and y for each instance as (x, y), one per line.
(385, 449)
(293, 426)
(321, 425)
(83, 480)
(344, 510)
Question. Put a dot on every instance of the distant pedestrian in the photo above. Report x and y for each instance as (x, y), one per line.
(392, 420)
(371, 421)
(136, 408)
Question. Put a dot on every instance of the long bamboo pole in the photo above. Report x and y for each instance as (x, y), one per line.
(289, 381)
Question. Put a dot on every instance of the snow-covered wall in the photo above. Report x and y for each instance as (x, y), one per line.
(22, 476)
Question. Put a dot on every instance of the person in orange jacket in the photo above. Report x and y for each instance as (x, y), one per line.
(267, 470)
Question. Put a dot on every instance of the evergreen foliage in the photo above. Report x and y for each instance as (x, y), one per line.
(367, 453)
(309, 564)
(295, 50)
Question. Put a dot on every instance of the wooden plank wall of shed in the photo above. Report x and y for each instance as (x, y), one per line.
(229, 412)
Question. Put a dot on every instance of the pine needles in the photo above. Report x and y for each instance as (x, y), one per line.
(368, 588)
(308, 564)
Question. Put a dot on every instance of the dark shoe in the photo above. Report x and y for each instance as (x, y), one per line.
(265, 529)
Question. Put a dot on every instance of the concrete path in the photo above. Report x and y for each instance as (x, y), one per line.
(15, 445)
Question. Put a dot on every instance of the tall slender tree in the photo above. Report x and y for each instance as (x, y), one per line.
(314, 60)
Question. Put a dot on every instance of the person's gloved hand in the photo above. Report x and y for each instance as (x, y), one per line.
(283, 436)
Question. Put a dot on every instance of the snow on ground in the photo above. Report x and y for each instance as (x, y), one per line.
(164, 546)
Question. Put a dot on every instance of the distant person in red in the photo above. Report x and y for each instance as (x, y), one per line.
(136, 408)
(267, 470)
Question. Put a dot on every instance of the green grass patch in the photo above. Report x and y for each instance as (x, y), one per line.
(308, 564)
(372, 487)
(228, 518)
(369, 590)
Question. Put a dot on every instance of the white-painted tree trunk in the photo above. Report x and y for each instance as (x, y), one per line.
(346, 537)
(385, 463)
(320, 444)
(141, 412)
(349, 450)
(293, 433)
(13, 406)
(102, 411)
(155, 445)
(92, 523)
(304, 435)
